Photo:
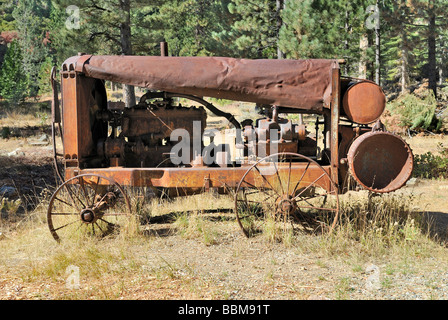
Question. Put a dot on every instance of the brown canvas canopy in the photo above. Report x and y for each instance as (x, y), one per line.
(298, 84)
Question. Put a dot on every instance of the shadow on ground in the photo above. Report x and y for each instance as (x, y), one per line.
(437, 224)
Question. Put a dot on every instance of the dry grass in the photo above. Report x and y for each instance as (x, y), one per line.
(186, 252)
(148, 264)
(421, 144)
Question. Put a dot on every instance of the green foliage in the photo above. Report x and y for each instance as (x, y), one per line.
(7, 22)
(13, 81)
(201, 28)
(417, 112)
(324, 29)
(44, 76)
(254, 29)
(432, 166)
(260, 29)
(5, 132)
(31, 18)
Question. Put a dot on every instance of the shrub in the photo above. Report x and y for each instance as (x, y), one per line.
(432, 166)
(12, 78)
(417, 112)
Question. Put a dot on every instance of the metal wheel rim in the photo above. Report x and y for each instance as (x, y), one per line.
(327, 227)
(77, 207)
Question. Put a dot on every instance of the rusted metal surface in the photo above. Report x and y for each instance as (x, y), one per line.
(364, 102)
(194, 178)
(299, 84)
(335, 112)
(380, 161)
(138, 145)
(293, 202)
(87, 118)
(87, 203)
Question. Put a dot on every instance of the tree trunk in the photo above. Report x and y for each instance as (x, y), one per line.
(432, 66)
(404, 69)
(126, 47)
(347, 31)
(279, 6)
(378, 50)
(363, 46)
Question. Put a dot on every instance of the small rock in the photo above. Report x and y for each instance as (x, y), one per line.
(43, 137)
(412, 182)
(13, 153)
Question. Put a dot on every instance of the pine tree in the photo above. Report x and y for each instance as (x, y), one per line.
(7, 22)
(433, 15)
(106, 27)
(255, 29)
(399, 36)
(30, 17)
(194, 30)
(325, 29)
(13, 81)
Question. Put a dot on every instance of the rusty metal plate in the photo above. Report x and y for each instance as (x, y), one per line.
(380, 161)
(193, 178)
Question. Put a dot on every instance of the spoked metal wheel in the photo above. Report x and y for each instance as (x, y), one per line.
(287, 193)
(87, 205)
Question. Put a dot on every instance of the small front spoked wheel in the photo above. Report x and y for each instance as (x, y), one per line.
(88, 205)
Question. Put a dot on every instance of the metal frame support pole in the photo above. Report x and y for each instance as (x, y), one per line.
(334, 132)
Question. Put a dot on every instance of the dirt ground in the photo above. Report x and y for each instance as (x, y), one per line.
(173, 266)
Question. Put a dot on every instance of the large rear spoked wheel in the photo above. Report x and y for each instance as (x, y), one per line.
(88, 205)
(286, 193)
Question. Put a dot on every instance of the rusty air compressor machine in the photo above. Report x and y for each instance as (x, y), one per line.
(291, 173)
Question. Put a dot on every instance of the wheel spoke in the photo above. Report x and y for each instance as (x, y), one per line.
(66, 225)
(300, 180)
(309, 186)
(95, 191)
(82, 195)
(289, 212)
(69, 191)
(83, 187)
(278, 177)
(65, 202)
(264, 178)
(64, 213)
(289, 174)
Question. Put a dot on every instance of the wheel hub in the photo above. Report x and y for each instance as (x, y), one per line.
(88, 215)
(286, 205)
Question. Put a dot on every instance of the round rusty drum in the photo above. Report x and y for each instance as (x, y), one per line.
(364, 102)
(380, 161)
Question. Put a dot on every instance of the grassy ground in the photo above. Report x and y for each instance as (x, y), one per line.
(205, 256)
(387, 247)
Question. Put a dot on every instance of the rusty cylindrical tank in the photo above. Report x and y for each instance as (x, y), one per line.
(364, 102)
(380, 161)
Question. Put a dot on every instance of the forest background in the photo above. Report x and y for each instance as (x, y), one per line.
(402, 45)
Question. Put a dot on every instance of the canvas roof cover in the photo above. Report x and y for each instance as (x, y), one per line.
(298, 84)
